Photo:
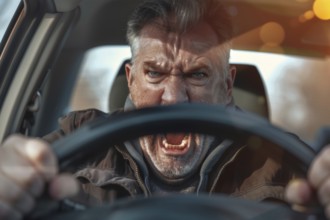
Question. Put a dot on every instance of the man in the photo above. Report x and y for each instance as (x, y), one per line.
(180, 52)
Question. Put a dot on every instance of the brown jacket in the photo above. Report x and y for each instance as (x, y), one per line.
(259, 174)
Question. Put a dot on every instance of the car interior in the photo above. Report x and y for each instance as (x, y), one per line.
(71, 28)
(46, 43)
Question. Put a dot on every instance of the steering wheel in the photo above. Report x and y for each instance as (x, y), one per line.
(197, 118)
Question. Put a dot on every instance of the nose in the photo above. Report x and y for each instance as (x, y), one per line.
(175, 91)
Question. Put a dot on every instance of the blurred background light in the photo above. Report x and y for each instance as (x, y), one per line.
(308, 15)
(272, 33)
(321, 9)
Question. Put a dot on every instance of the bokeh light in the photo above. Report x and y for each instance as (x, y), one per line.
(272, 33)
(308, 15)
(321, 9)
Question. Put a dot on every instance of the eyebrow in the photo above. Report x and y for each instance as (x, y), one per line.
(154, 64)
(157, 64)
(197, 64)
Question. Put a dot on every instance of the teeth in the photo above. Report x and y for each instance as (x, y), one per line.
(182, 145)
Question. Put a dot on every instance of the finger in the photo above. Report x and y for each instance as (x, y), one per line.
(16, 166)
(36, 151)
(63, 186)
(319, 170)
(40, 155)
(299, 192)
(13, 195)
(324, 193)
(27, 178)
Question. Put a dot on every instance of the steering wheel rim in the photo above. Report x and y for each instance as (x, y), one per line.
(187, 206)
(211, 119)
(177, 118)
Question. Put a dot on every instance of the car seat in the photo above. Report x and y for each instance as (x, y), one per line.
(249, 90)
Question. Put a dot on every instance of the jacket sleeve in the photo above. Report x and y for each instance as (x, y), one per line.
(72, 121)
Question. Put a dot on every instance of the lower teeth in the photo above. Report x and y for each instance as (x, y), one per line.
(172, 146)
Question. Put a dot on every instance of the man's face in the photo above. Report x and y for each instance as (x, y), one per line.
(169, 68)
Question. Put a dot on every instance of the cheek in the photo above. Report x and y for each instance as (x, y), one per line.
(221, 96)
(145, 142)
(211, 93)
(219, 91)
(148, 148)
(144, 95)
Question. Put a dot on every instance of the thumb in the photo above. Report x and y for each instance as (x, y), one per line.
(302, 197)
(299, 192)
(63, 186)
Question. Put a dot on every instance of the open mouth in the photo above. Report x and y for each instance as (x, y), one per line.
(175, 144)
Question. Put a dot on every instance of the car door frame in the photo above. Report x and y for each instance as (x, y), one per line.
(29, 50)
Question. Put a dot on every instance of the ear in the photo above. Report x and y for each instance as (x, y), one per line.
(129, 77)
(230, 82)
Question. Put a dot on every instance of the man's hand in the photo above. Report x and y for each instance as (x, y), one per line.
(317, 185)
(26, 165)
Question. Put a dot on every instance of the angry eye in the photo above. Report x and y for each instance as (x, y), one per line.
(154, 74)
(198, 78)
(198, 75)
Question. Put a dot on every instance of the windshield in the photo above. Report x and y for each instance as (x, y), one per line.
(7, 10)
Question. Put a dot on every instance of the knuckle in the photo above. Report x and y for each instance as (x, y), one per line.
(37, 149)
(18, 201)
(13, 140)
(320, 168)
(325, 152)
(14, 195)
(30, 180)
(324, 159)
(27, 177)
(42, 157)
(324, 192)
(21, 201)
(10, 145)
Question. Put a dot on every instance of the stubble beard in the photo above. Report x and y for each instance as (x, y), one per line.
(172, 166)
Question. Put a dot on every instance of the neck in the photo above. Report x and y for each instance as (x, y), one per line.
(163, 186)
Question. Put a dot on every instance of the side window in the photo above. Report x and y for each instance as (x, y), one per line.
(7, 10)
(96, 77)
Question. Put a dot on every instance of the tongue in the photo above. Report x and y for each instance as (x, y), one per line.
(174, 139)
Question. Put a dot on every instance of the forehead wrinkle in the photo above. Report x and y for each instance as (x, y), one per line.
(173, 46)
(201, 47)
(161, 56)
(185, 54)
(166, 49)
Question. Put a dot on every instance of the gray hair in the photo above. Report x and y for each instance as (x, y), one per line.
(186, 13)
